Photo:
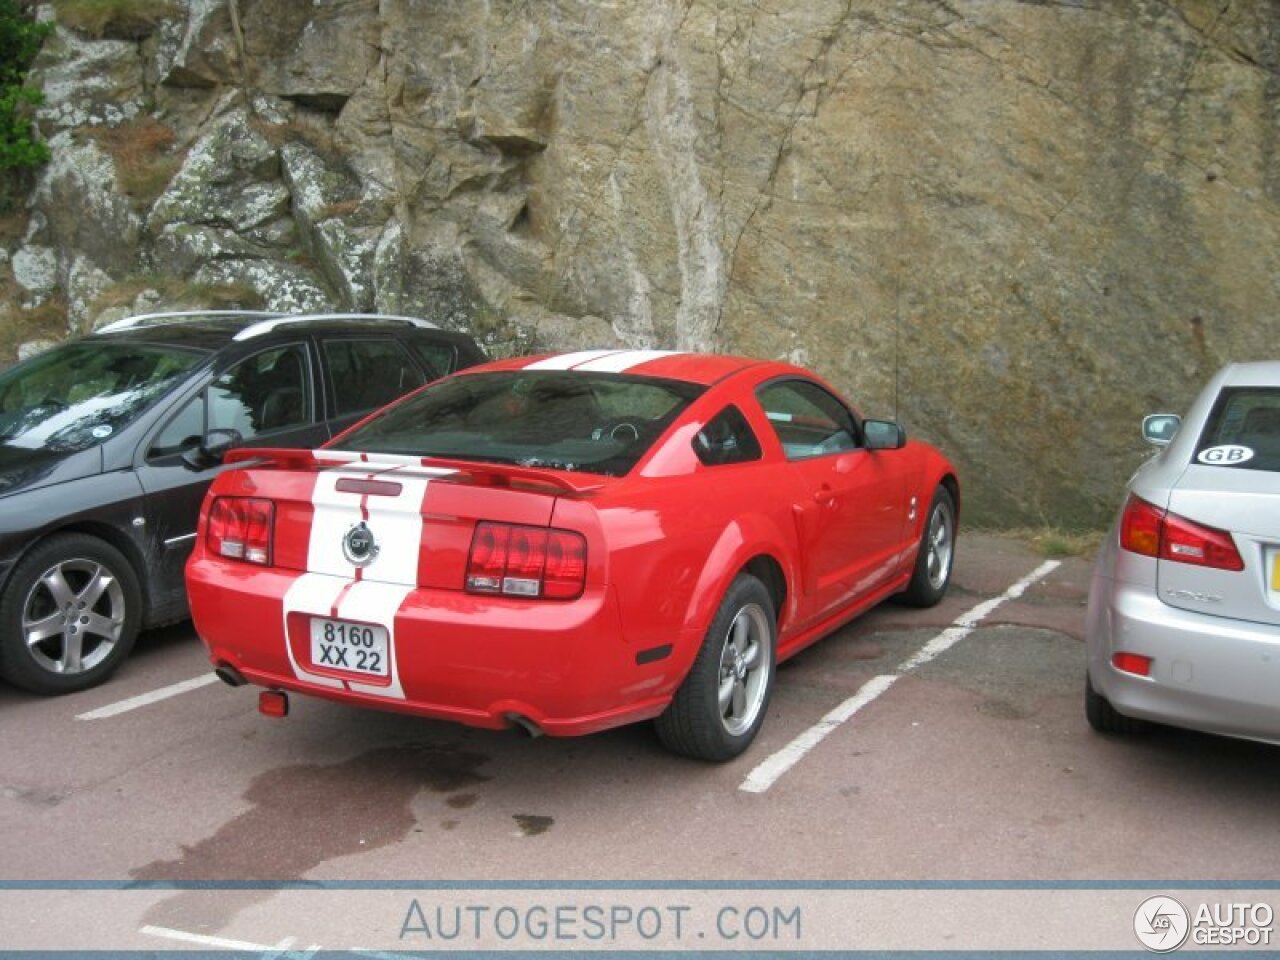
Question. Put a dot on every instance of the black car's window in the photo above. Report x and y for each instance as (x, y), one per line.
(727, 438)
(366, 374)
(808, 421)
(79, 394)
(438, 358)
(267, 392)
(593, 422)
(1243, 430)
(182, 432)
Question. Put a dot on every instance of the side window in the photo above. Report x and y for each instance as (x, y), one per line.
(436, 357)
(727, 438)
(808, 421)
(366, 374)
(266, 392)
(183, 431)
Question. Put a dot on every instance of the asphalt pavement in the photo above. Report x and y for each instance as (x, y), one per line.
(939, 744)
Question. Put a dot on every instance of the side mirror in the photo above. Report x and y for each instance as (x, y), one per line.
(883, 435)
(212, 449)
(1160, 428)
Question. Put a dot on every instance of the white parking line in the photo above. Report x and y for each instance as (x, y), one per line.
(281, 949)
(146, 699)
(769, 770)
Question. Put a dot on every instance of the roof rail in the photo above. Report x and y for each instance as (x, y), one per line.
(266, 326)
(179, 316)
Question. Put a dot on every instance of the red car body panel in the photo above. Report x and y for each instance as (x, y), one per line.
(832, 535)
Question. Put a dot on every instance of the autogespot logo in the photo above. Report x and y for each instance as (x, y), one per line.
(1161, 924)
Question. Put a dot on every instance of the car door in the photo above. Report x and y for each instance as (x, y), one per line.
(848, 505)
(269, 398)
(364, 373)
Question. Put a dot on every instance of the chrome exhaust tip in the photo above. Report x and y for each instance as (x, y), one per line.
(521, 722)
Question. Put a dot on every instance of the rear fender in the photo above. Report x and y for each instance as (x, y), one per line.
(741, 541)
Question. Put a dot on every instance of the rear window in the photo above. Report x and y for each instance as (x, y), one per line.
(589, 422)
(1243, 432)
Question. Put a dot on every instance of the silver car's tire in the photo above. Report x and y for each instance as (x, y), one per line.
(1103, 717)
(68, 616)
(936, 555)
(721, 705)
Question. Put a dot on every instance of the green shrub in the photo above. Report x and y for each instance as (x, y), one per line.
(20, 40)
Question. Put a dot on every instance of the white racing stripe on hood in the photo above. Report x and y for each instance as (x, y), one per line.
(566, 360)
(619, 362)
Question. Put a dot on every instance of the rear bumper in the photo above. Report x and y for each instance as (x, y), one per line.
(475, 660)
(1209, 673)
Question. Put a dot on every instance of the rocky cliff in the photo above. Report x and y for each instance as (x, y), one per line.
(1018, 225)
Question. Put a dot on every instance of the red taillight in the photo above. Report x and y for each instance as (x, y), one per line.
(239, 528)
(521, 561)
(566, 570)
(1152, 532)
(1140, 527)
(1133, 663)
(1189, 542)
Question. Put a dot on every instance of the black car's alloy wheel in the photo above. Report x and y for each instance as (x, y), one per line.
(69, 615)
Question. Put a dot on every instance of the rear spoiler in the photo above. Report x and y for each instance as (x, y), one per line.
(487, 474)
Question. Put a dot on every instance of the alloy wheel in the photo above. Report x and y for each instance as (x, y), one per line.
(745, 662)
(941, 546)
(73, 616)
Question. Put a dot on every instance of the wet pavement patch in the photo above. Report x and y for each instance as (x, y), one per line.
(302, 816)
(532, 825)
(36, 796)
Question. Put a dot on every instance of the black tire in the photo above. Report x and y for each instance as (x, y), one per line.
(1103, 717)
(82, 589)
(936, 555)
(699, 723)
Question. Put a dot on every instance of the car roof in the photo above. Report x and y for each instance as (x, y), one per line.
(700, 368)
(1264, 373)
(214, 329)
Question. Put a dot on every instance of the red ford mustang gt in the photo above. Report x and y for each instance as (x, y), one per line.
(570, 543)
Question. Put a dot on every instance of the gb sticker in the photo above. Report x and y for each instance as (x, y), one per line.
(1226, 455)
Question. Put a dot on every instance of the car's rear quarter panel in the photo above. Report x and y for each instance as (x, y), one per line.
(674, 545)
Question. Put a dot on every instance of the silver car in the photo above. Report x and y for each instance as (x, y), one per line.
(1183, 625)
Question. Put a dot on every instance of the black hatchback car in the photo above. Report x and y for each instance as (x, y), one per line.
(109, 442)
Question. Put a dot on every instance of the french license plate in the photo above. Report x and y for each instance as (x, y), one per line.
(354, 647)
(1275, 571)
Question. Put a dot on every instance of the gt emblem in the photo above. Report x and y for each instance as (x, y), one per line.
(358, 546)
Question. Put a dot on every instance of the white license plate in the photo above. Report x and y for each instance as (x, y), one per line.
(353, 647)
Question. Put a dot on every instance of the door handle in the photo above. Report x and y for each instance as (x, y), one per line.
(824, 495)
